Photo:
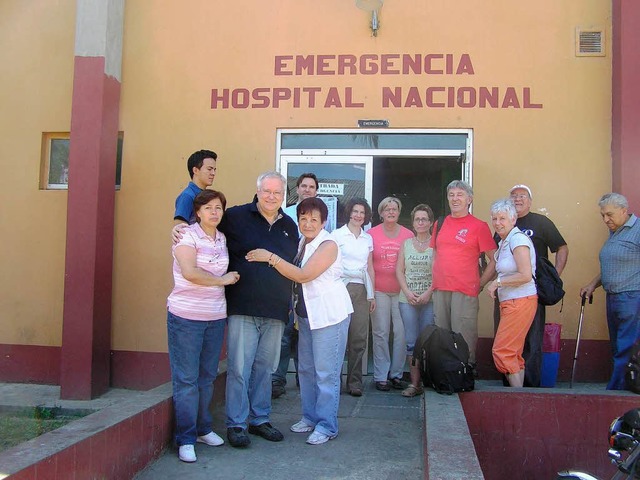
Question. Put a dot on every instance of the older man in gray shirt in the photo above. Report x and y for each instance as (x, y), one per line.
(620, 277)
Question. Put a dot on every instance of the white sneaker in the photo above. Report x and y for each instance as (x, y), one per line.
(301, 427)
(211, 438)
(317, 438)
(187, 453)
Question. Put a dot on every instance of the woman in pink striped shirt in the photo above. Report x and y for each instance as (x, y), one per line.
(196, 318)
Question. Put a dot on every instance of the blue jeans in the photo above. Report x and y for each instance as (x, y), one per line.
(415, 318)
(194, 351)
(253, 345)
(623, 319)
(288, 350)
(320, 359)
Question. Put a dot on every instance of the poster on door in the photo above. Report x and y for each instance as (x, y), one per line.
(332, 217)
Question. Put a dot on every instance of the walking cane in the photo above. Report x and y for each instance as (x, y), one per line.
(575, 355)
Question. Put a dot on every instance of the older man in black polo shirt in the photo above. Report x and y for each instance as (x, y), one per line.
(258, 308)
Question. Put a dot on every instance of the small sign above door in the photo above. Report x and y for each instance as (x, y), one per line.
(373, 123)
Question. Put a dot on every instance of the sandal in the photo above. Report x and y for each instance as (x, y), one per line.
(383, 386)
(412, 391)
(397, 383)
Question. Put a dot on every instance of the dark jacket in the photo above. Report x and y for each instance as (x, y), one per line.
(261, 291)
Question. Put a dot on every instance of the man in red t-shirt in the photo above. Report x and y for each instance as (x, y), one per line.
(457, 245)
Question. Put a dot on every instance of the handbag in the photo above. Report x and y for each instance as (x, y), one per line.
(548, 282)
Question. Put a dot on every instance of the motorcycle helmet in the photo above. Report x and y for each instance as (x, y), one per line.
(629, 423)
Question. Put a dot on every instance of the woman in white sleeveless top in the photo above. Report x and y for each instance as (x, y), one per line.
(323, 310)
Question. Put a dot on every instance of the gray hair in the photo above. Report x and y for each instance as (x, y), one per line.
(614, 199)
(262, 177)
(504, 205)
(462, 185)
(386, 201)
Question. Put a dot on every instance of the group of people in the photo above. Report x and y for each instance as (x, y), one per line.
(243, 264)
(284, 286)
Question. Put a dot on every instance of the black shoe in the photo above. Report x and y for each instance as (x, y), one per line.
(397, 384)
(266, 431)
(383, 386)
(277, 390)
(238, 437)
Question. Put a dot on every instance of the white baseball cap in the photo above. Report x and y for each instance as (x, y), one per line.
(515, 187)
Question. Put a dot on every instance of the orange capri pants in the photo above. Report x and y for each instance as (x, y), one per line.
(516, 316)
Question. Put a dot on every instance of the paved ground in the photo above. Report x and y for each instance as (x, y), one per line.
(380, 435)
(17, 395)
(380, 438)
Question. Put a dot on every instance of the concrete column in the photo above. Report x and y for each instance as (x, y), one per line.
(86, 331)
(625, 122)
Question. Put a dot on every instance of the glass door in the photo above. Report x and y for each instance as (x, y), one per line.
(341, 177)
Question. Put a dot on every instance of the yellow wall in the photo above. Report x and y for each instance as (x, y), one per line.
(176, 53)
(36, 77)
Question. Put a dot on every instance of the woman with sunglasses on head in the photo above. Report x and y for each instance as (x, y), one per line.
(388, 367)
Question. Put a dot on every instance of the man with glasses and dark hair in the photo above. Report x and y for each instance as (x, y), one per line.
(545, 236)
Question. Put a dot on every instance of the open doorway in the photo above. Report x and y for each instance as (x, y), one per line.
(414, 180)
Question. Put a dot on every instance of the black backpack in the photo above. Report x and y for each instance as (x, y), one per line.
(632, 370)
(443, 358)
(548, 282)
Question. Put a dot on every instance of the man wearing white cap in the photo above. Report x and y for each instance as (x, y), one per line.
(545, 236)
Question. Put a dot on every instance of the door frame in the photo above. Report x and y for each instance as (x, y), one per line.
(466, 173)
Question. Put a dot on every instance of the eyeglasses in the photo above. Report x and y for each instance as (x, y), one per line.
(521, 196)
(390, 209)
(421, 220)
(276, 194)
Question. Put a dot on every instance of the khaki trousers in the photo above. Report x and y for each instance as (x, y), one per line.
(458, 312)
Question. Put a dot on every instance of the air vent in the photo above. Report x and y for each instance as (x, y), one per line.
(590, 42)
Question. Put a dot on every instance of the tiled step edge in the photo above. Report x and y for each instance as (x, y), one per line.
(448, 447)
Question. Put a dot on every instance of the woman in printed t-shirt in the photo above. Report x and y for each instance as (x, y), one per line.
(414, 275)
(387, 240)
(196, 319)
(516, 290)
